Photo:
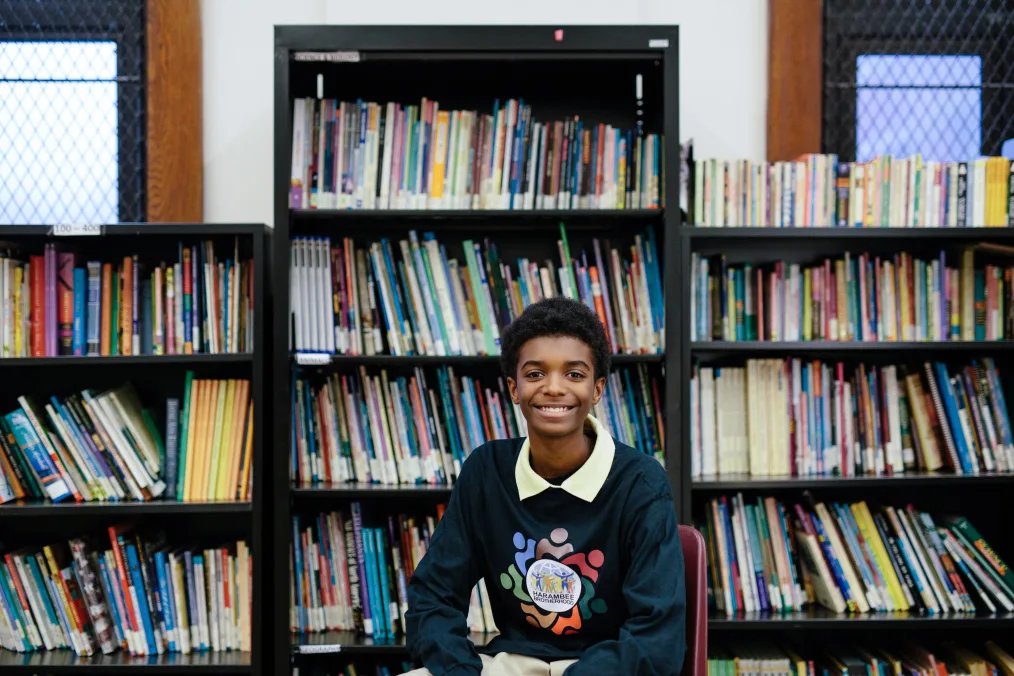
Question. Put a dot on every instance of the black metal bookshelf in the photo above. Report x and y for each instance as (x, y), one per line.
(156, 377)
(983, 498)
(412, 53)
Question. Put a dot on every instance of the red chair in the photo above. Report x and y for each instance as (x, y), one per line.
(695, 563)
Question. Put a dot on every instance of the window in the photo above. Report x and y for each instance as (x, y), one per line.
(71, 111)
(903, 77)
(944, 91)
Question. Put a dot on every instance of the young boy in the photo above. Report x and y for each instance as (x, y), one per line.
(574, 533)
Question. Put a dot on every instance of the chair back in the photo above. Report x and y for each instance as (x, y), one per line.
(695, 564)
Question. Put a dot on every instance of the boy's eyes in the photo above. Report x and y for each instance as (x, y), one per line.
(570, 374)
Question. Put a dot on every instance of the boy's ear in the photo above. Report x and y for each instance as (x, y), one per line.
(512, 387)
(600, 387)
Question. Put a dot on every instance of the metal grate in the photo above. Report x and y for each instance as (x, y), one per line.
(934, 77)
(72, 111)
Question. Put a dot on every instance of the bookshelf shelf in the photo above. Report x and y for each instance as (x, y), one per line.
(923, 348)
(820, 618)
(456, 360)
(369, 491)
(120, 509)
(347, 216)
(958, 235)
(351, 642)
(928, 479)
(66, 662)
(178, 360)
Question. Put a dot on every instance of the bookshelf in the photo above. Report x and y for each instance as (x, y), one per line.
(197, 523)
(983, 498)
(542, 67)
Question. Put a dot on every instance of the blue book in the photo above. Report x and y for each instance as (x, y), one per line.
(380, 555)
(38, 458)
(135, 580)
(80, 286)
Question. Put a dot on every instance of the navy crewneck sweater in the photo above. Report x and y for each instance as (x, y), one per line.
(596, 576)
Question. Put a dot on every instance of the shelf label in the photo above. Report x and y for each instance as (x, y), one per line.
(313, 358)
(320, 649)
(333, 57)
(658, 43)
(75, 229)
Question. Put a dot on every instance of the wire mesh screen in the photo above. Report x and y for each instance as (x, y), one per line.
(72, 111)
(929, 77)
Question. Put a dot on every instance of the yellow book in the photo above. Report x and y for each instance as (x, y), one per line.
(439, 155)
(190, 470)
(223, 433)
(204, 439)
(215, 437)
(238, 440)
(244, 484)
(872, 536)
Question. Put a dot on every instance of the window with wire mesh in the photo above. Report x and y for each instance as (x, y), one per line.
(906, 77)
(72, 111)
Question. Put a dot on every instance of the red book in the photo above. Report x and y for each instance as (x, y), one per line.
(38, 317)
(65, 303)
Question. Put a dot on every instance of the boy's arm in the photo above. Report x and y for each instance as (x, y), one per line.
(653, 639)
(440, 589)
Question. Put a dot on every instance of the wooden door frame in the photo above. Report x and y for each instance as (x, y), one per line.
(794, 78)
(175, 148)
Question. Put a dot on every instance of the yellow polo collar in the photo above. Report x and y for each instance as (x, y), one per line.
(585, 483)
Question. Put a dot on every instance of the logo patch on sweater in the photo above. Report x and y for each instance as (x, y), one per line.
(554, 584)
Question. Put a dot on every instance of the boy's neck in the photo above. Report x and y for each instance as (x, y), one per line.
(558, 456)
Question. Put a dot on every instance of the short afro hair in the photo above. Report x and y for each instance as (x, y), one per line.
(556, 316)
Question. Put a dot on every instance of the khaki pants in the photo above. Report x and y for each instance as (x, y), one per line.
(508, 664)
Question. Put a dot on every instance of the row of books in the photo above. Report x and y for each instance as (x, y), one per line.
(141, 596)
(781, 417)
(867, 297)
(107, 446)
(768, 556)
(948, 658)
(820, 191)
(374, 428)
(210, 441)
(350, 299)
(367, 155)
(353, 577)
(52, 305)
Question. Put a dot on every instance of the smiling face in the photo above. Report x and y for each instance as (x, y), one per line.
(555, 385)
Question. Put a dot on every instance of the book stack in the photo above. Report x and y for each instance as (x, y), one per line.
(374, 428)
(140, 596)
(366, 155)
(769, 557)
(775, 417)
(62, 303)
(348, 576)
(106, 446)
(354, 299)
(819, 191)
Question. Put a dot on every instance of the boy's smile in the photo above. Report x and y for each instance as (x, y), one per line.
(556, 387)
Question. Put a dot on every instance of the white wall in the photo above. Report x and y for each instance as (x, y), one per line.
(723, 73)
